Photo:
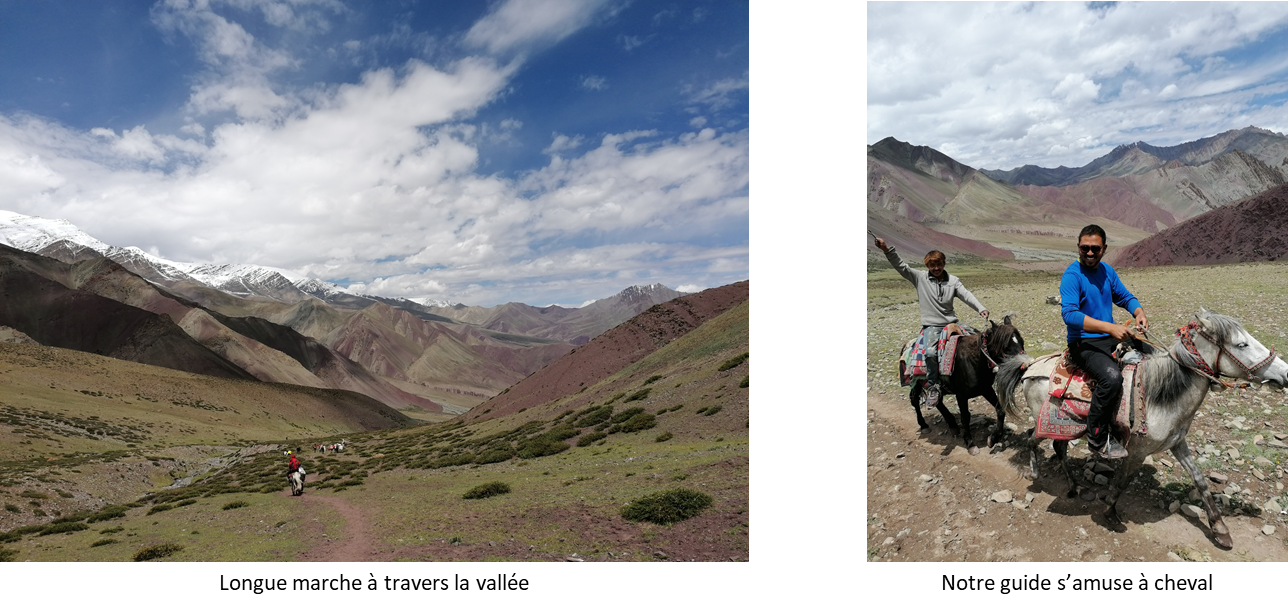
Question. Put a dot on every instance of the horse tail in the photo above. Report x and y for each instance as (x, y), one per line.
(1009, 373)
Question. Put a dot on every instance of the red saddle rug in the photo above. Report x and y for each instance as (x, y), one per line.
(912, 362)
(1063, 415)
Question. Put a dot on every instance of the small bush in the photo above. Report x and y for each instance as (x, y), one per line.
(101, 542)
(664, 437)
(541, 446)
(667, 507)
(615, 397)
(651, 380)
(236, 505)
(638, 395)
(108, 531)
(7, 555)
(11, 507)
(160, 507)
(486, 490)
(638, 422)
(494, 456)
(593, 416)
(64, 527)
(185, 502)
(156, 551)
(590, 438)
(625, 415)
(713, 410)
(110, 512)
(733, 362)
(745, 380)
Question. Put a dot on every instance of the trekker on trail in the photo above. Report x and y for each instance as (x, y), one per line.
(292, 463)
(936, 289)
(1089, 290)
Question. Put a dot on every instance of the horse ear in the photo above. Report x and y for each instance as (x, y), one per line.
(1201, 316)
(1007, 320)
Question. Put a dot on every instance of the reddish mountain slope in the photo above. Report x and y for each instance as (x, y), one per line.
(1255, 229)
(615, 349)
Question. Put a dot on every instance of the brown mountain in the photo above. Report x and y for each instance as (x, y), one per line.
(615, 349)
(1255, 229)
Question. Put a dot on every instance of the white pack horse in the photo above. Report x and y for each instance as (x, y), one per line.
(1176, 382)
(297, 482)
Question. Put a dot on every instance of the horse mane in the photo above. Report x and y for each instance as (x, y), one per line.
(1167, 376)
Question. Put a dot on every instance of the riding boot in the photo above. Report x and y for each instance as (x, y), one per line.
(1102, 443)
(933, 392)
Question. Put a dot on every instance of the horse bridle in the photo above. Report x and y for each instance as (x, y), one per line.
(1212, 372)
(983, 345)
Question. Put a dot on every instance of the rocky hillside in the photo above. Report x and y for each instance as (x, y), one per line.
(1255, 229)
(612, 351)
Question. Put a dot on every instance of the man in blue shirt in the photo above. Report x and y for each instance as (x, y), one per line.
(1089, 290)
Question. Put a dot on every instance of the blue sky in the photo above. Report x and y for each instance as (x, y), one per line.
(998, 85)
(551, 151)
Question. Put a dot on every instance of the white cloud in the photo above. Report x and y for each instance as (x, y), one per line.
(523, 23)
(377, 182)
(1058, 83)
(718, 94)
(594, 83)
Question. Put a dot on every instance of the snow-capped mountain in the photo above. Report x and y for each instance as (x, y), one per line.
(246, 280)
(32, 233)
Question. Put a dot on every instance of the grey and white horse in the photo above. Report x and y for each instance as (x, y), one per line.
(297, 483)
(1176, 382)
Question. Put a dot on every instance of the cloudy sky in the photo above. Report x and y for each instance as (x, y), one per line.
(544, 151)
(999, 85)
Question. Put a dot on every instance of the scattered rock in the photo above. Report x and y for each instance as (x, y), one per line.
(1101, 480)
(1277, 444)
(1271, 507)
(1194, 494)
(1233, 453)
(1281, 436)
(1267, 530)
(1258, 474)
(899, 455)
(1149, 461)
(1165, 462)
(925, 478)
(1231, 490)
(1258, 440)
(1028, 497)
(1018, 504)
(1102, 468)
(1218, 477)
(1053, 300)
(574, 559)
(660, 555)
(1174, 558)
(1174, 507)
(1003, 496)
(1262, 461)
(1012, 427)
(1191, 511)
(888, 541)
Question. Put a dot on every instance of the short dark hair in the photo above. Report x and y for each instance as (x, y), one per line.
(1093, 230)
(935, 256)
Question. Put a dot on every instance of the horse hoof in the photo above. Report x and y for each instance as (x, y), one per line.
(973, 450)
(1223, 540)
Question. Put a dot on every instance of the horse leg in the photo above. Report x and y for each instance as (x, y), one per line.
(948, 416)
(1220, 534)
(963, 406)
(915, 397)
(1000, 432)
(1123, 477)
(1061, 448)
(1032, 442)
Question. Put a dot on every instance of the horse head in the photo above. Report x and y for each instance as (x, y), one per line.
(1228, 349)
(1004, 340)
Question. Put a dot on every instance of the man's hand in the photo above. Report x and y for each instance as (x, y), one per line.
(882, 245)
(1141, 321)
(1121, 332)
(984, 313)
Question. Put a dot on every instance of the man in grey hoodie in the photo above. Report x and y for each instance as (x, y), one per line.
(936, 289)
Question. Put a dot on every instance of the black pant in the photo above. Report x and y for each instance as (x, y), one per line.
(1093, 357)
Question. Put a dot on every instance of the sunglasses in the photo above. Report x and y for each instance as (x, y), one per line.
(1091, 250)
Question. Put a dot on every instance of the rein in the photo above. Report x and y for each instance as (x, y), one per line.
(1211, 372)
(983, 347)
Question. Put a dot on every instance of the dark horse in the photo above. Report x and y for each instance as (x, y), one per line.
(973, 374)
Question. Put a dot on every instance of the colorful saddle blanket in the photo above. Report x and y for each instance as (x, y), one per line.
(1063, 415)
(912, 362)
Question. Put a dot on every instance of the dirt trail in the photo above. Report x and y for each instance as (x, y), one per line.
(928, 500)
(352, 545)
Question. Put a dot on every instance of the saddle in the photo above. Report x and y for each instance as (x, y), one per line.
(912, 360)
(1063, 415)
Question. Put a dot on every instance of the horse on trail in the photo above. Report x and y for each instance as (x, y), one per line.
(973, 373)
(1176, 382)
(297, 483)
